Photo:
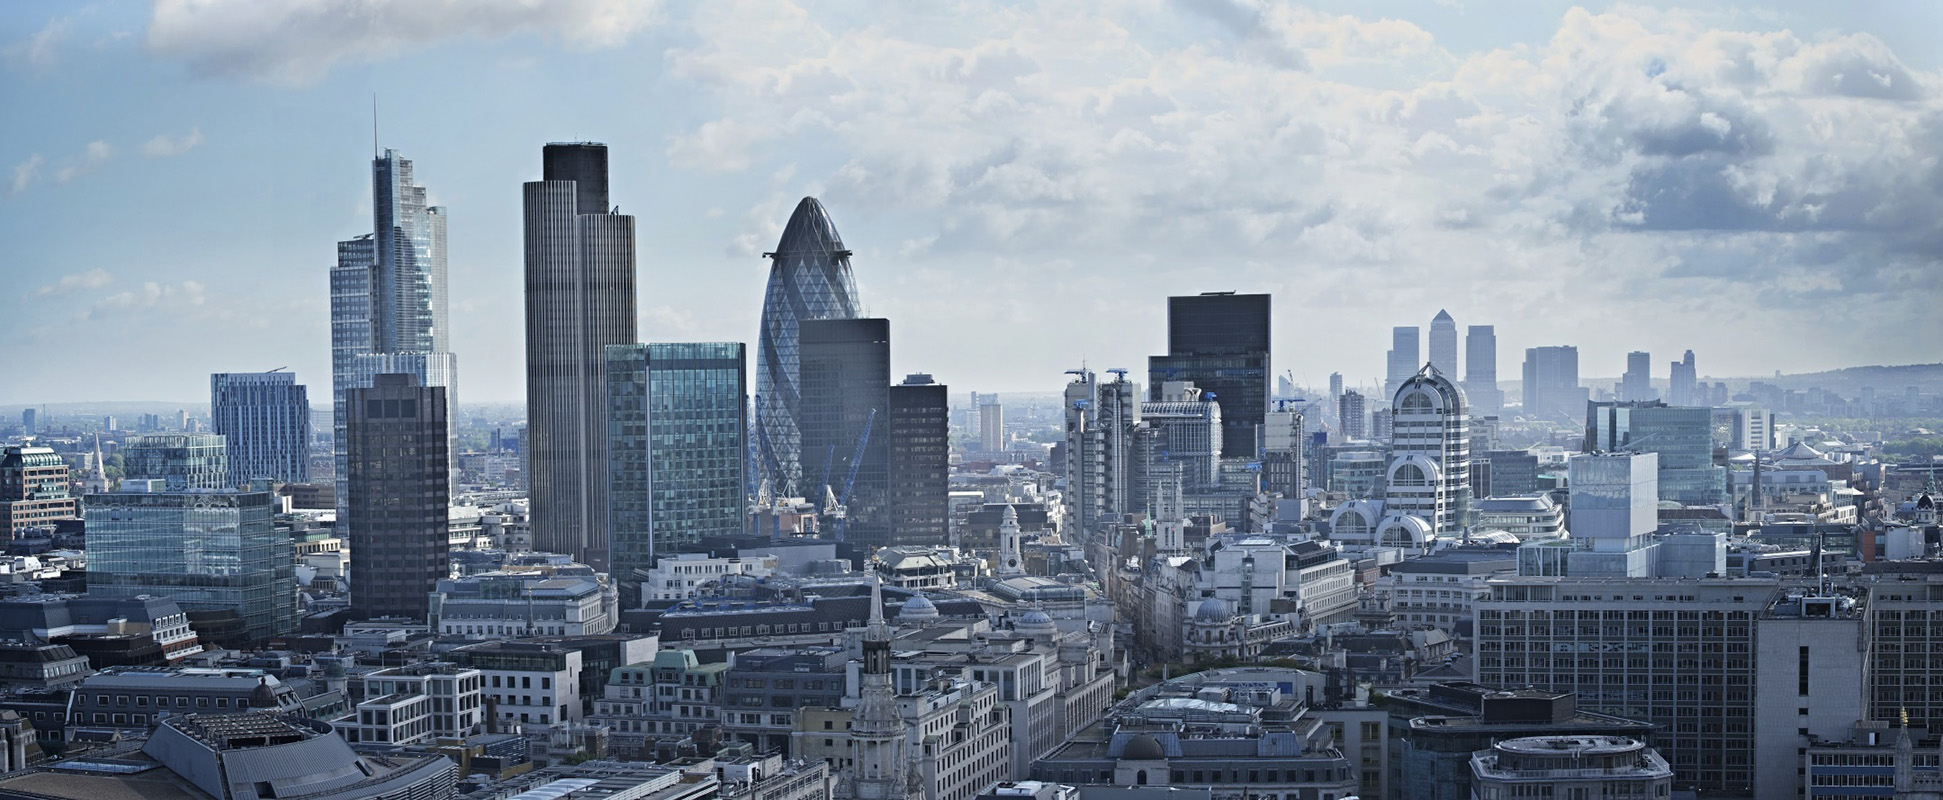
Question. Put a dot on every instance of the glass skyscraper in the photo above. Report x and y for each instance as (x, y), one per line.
(265, 419)
(399, 495)
(809, 279)
(677, 428)
(1220, 342)
(920, 461)
(1683, 438)
(183, 461)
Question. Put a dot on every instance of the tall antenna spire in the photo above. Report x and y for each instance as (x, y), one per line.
(374, 126)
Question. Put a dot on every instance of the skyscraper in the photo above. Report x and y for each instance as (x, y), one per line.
(844, 414)
(399, 495)
(1637, 384)
(920, 461)
(1219, 341)
(1443, 343)
(809, 279)
(1352, 410)
(388, 303)
(264, 417)
(1403, 359)
(29, 421)
(1335, 385)
(991, 424)
(1681, 383)
(1100, 457)
(579, 300)
(1551, 383)
(1430, 453)
(1481, 371)
(677, 430)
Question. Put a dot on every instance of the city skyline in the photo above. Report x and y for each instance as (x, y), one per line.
(935, 225)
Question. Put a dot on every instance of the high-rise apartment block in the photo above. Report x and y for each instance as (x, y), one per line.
(809, 279)
(920, 461)
(1551, 384)
(1443, 344)
(29, 421)
(264, 417)
(1481, 371)
(1220, 343)
(677, 428)
(844, 415)
(991, 424)
(399, 497)
(1403, 359)
(579, 300)
(1352, 412)
(33, 489)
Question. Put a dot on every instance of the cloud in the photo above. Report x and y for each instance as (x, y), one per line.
(298, 41)
(92, 279)
(24, 174)
(151, 295)
(163, 145)
(39, 52)
(91, 157)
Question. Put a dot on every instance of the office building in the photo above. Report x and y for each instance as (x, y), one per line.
(1443, 344)
(1352, 412)
(991, 425)
(33, 489)
(1435, 731)
(1403, 359)
(677, 428)
(389, 312)
(579, 300)
(844, 417)
(1100, 453)
(1219, 342)
(399, 495)
(809, 279)
(1188, 430)
(211, 550)
(1283, 436)
(264, 419)
(1637, 384)
(1430, 454)
(1569, 766)
(1481, 371)
(1551, 386)
(1682, 437)
(920, 461)
(1682, 384)
(1335, 385)
(1750, 427)
(182, 461)
(29, 422)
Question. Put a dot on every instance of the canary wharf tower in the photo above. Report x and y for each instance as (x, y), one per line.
(809, 278)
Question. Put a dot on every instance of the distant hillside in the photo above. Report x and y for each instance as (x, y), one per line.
(1850, 380)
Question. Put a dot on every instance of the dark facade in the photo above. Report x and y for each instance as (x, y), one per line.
(766, 686)
(579, 300)
(846, 373)
(677, 428)
(920, 461)
(1433, 731)
(399, 495)
(33, 489)
(1220, 342)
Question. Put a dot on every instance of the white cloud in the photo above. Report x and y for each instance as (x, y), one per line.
(39, 52)
(151, 295)
(92, 279)
(24, 174)
(163, 145)
(91, 157)
(298, 41)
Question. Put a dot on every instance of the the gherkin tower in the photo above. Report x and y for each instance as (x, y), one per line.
(809, 278)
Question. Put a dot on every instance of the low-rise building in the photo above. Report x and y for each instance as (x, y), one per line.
(1569, 766)
(527, 683)
(507, 604)
(417, 703)
(684, 575)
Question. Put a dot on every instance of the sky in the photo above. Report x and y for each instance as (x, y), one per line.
(1023, 183)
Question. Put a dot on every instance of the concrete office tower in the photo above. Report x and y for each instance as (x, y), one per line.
(399, 496)
(844, 413)
(1551, 384)
(809, 278)
(1100, 420)
(1352, 411)
(677, 428)
(1219, 341)
(388, 302)
(1481, 371)
(1637, 384)
(920, 461)
(34, 489)
(1403, 359)
(170, 531)
(1682, 436)
(264, 417)
(1443, 343)
(579, 300)
(1188, 430)
(1681, 383)
(1281, 451)
(1430, 454)
(991, 425)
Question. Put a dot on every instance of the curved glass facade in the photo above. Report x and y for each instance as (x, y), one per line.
(809, 279)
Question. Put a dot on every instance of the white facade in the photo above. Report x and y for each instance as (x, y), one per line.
(682, 576)
(507, 604)
(1430, 453)
(420, 703)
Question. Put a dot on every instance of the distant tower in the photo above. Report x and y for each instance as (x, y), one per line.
(1335, 385)
(809, 279)
(1403, 358)
(1481, 371)
(97, 480)
(1443, 343)
(877, 740)
(1637, 384)
(991, 424)
(1352, 413)
(1681, 383)
(1219, 341)
(1010, 560)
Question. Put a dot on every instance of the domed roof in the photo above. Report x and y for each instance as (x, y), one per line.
(1035, 617)
(1212, 610)
(1144, 747)
(263, 696)
(917, 608)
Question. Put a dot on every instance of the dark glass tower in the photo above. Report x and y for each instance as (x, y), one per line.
(579, 300)
(677, 430)
(920, 461)
(1220, 342)
(399, 494)
(845, 417)
(809, 279)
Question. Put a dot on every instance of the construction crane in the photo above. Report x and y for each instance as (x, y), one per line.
(1119, 373)
(850, 482)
